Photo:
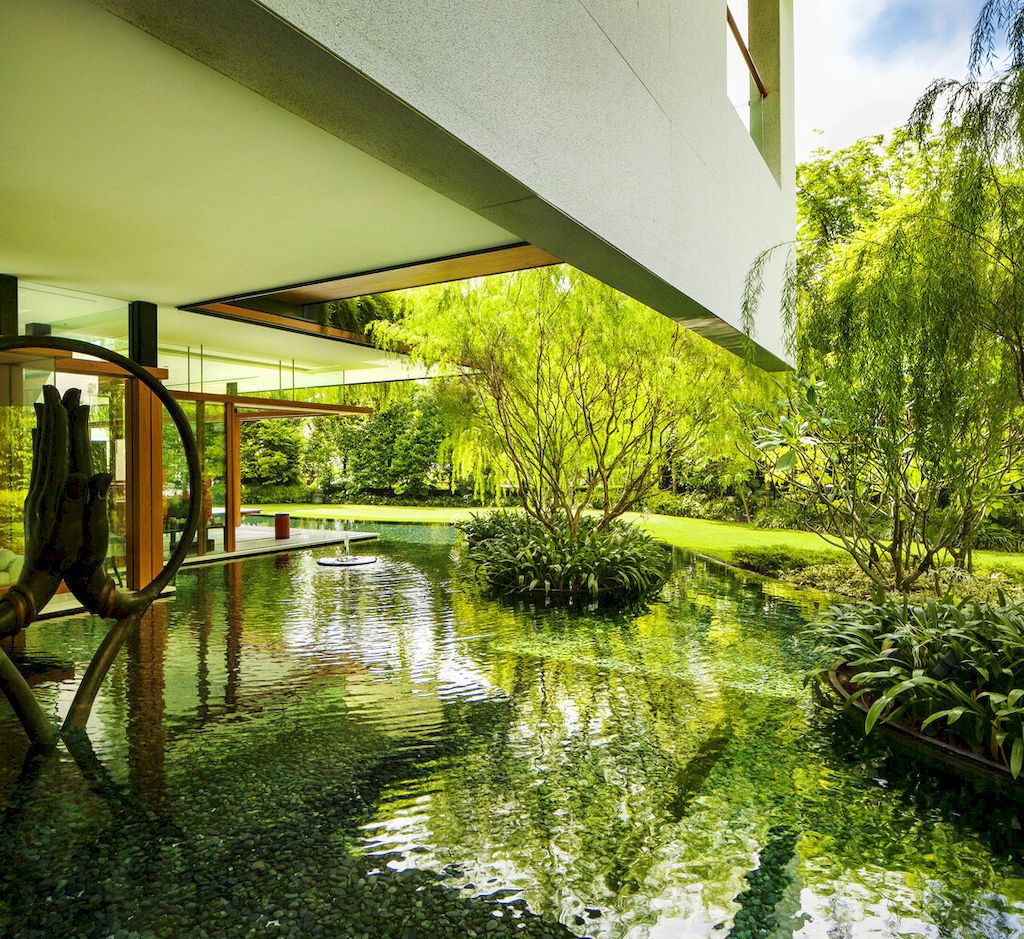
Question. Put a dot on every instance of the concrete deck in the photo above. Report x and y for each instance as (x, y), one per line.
(252, 540)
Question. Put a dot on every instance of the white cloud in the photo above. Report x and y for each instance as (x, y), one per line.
(846, 90)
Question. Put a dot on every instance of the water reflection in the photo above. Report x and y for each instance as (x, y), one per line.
(623, 775)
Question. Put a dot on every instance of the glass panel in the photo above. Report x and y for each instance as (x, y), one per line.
(207, 420)
(175, 478)
(21, 386)
(106, 398)
(214, 456)
(44, 309)
(740, 84)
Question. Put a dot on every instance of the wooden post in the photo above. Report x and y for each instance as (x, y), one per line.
(232, 475)
(145, 484)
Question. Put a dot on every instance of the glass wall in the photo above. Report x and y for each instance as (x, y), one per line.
(44, 309)
(21, 386)
(208, 425)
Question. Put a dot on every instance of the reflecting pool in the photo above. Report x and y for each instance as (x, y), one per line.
(289, 749)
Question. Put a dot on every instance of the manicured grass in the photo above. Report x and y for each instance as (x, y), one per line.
(720, 539)
(372, 513)
(714, 539)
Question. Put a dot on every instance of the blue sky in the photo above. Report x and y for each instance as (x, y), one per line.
(903, 26)
(861, 64)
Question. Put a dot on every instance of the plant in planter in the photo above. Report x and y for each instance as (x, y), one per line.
(951, 670)
(515, 554)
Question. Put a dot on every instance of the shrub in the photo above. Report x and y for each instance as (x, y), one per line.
(842, 577)
(437, 498)
(277, 495)
(776, 559)
(990, 535)
(270, 452)
(690, 505)
(515, 554)
(722, 509)
(950, 668)
(12, 519)
(782, 513)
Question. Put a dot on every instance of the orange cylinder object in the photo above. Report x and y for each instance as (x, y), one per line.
(282, 525)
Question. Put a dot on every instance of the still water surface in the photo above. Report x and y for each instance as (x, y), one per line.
(288, 748)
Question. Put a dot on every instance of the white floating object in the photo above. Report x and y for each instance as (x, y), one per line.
(346, 560)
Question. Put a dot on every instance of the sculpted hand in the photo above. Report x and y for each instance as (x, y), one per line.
(85, 575)
(54, 507)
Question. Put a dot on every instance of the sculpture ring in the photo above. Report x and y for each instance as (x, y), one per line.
(118, 603)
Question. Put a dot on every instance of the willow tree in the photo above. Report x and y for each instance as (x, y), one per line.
(576, 388)
(978, 210)
(904, 430)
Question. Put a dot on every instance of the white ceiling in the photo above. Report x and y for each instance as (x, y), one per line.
(129, 170)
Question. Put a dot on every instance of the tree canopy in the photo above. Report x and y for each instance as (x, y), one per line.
(576, 389)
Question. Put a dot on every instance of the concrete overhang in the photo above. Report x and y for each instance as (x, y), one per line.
(208, 148)
(130, 170)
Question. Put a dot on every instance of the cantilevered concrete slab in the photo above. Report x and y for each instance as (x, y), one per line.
(211, 148)
(130, 170)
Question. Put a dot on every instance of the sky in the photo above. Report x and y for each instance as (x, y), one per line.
(861, 64)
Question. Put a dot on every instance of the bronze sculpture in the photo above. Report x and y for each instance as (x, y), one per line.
(67, 533)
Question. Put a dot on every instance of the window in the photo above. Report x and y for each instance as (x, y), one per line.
(746, 88)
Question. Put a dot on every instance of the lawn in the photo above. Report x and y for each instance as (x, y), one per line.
(371, 513)
(714, 539)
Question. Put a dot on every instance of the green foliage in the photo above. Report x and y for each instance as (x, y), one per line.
(271, 451)
(436, 498)
(904, 310)
(879, 472)
(952, 668)
(329, 440)
(773, 560)
(784, 512)
(276, 494)
(691, 505)
(513, 553)
(12, 519)
(576, 391)
(397, 447)
(357, 313)
(995, 537)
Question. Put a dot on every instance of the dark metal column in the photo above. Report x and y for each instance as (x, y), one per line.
(142, 333)
(8, 305)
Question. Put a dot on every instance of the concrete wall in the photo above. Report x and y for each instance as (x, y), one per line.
(597, 129)
(615, 112)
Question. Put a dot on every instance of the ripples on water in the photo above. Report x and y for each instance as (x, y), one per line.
(280, 730)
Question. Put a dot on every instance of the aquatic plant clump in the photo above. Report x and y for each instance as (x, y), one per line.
(515, 554)
(954, 670)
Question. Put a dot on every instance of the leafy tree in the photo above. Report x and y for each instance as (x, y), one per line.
(900, 504)
(978, 210)
(271, 451)
(417, 445)
(913, 433)
(576, 388)
(396, 447)
(329, 441)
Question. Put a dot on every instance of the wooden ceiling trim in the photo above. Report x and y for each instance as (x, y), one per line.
(442, 270)
(279, 406)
